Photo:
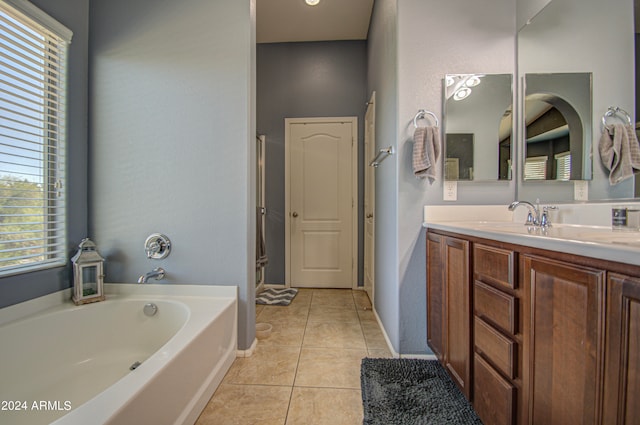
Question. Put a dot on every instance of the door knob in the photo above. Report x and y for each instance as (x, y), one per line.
(370, 215)
(295, 214)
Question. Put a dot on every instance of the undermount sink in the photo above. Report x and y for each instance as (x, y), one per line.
(614, 236)
(580, 233)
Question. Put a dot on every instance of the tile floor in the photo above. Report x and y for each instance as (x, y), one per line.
(307, 371)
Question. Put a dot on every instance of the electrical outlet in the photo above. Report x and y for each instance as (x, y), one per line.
(581, 190)
(450, 191)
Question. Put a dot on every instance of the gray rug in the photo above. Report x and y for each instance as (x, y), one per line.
(273, 296)
(411, 392)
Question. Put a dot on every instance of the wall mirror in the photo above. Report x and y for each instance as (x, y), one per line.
(561, 39)
(478, 126)
(557, 127)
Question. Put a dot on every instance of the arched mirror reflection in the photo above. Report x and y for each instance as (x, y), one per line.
(557, 123)
(478, 126)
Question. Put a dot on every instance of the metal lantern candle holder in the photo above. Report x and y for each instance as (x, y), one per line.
(88, 275)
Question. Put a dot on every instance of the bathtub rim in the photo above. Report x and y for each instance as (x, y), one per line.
(60, 298)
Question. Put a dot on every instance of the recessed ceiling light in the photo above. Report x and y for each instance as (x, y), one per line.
(462, 93)
(312, 2)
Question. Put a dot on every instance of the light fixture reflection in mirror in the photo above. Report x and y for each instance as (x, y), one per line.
(557, 123)
(478, 123)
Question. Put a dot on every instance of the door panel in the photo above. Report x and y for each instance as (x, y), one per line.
(321, 204)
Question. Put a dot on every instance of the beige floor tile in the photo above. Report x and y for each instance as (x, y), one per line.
(246, 404)
(380, 354)
(328, 313)
(334, 335)
(333, 297)
(292, 314)
(367, 315)
(362, 300)
(259, 309)
(320, 406)
(373, 335)
(303, 297)
(329, 368)
(284, 332)
(269, 365)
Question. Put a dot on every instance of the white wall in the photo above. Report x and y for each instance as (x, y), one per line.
(172, 130)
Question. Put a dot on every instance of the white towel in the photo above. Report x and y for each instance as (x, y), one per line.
(619, 152)
(426, 149)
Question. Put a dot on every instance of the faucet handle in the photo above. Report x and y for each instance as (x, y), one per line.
(531, 221)
(544, 220)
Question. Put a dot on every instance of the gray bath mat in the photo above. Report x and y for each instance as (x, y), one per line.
(274, 296)
(412, 392)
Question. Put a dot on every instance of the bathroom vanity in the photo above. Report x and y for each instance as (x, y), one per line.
(537, 326)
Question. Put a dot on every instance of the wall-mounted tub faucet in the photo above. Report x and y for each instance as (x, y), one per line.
(157, 273)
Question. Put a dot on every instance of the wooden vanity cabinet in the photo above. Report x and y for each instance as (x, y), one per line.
(622, 348)
(448, 297)
(566, 336)
(550, 338)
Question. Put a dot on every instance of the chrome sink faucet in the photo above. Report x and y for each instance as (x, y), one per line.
(157, 273)
(533, 218)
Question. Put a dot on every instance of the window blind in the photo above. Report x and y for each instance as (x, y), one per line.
(535, 168)
(563, 166)
(33, 59)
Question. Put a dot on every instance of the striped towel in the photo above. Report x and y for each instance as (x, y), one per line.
(426, 149)
(620, 152)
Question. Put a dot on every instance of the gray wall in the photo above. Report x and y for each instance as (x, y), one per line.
(324, 79)
(74, 14)
(408, 60)
(481, 41)
(383, 79)
(172, 141)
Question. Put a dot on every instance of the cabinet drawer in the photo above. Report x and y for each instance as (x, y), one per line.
(494, 265)
(494, 346)
(494, 397)
(495, 306)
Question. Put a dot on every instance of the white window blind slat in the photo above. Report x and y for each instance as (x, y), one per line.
(535, 168)
(32, 138)
(563, 166)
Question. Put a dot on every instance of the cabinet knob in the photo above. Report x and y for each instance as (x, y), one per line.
(295, 214)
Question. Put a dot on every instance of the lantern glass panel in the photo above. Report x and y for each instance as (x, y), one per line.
(89, 280)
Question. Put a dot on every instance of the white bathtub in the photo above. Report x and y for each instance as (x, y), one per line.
(70, 364)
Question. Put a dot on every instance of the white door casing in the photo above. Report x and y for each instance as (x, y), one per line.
(321, 188)
(369, 197)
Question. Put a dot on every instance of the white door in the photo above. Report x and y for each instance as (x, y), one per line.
(321, 181)
(369, 196)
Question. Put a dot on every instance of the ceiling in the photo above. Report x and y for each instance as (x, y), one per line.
(280, 21)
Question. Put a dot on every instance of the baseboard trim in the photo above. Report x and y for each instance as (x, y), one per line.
(395, 354)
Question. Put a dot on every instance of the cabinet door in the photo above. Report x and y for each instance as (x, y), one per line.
(566, 353)
(622, 370)
(458, 313)
(435, 296)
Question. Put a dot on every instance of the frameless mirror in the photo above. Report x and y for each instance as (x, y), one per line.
(561, 38)
(478, 126)
(557, 126)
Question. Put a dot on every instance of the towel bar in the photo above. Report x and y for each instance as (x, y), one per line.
(382, 155)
